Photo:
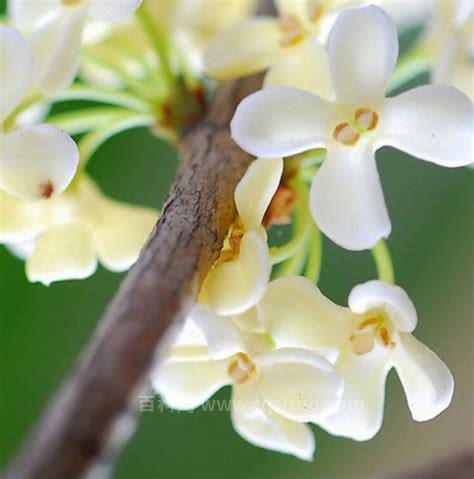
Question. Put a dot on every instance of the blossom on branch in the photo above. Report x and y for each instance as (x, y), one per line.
(55, 30)
(433, 123)
(275, 391)
(370, 338)
(36, 161)
(243, 270)
(66, 236)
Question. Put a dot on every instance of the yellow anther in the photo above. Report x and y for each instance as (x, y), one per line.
(366, 118)
(315, 10)
(369, 321)
(384, 335)
(346, 134)
(292, 30)
(241, 369)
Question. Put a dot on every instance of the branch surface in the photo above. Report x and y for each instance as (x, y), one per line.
(90, 410)
(459, 465)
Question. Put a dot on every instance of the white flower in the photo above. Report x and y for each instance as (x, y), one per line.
(35, 161)
(64, 237)
(242, 273)
(433, 123)
(274, 391)
(283, 45)
(449, 41)
(55, 31)
(372, 336)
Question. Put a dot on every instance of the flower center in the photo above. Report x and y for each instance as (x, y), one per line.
(292, 30)
(72, 2)
(368, 331)
(349, 133)
(241, 369)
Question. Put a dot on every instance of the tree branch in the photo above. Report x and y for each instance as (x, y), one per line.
(457, 466)
(91, 406)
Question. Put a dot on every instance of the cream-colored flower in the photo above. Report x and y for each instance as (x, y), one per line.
(274, 391)
(36, 161)
(71, 232)
(185, 26)
(433, 123)
(55, 29)
(371, 337)
(241, 275)
(282, 43)
(449, 41)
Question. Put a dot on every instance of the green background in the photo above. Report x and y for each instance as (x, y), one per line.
(42, 330)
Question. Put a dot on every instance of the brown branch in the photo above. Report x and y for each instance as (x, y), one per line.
(456, 466)
(74, 432)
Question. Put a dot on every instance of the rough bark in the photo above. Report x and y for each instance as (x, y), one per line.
(91, 406)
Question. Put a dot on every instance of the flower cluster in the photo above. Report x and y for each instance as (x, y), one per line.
(327, 105)
(140, 65)
(291, 356)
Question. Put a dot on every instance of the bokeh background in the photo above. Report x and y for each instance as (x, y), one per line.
(42, 330)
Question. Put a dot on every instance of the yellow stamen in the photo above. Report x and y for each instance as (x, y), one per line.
(292, 30)
(384, 335)
(369, 321)
(366, 118)
(241, 369)
(315, 10)
(346, 134)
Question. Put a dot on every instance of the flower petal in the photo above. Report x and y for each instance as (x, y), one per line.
(299, 384)
(19, 220)
(391, 298)
(249, 47)
(63, 252)
(112, 10)
(26, 15)
(282, 121)
(306, 68)
(431, 122)
(16, 69)
(297, 315)
(223, 337)
(56, 45)
(347, 201)
(363, 50)
(37, 162)
(263, 427)
(361, 413)
(249, 321)
(256, 189)
(23, 250)
(120, 232)
(188, 384)
(236, 286)
(428, 383)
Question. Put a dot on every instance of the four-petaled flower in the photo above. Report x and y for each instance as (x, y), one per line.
(433, 123)
(64, 237)
(283, 44)
(365, 341)
(36, 161)
(275, 391)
